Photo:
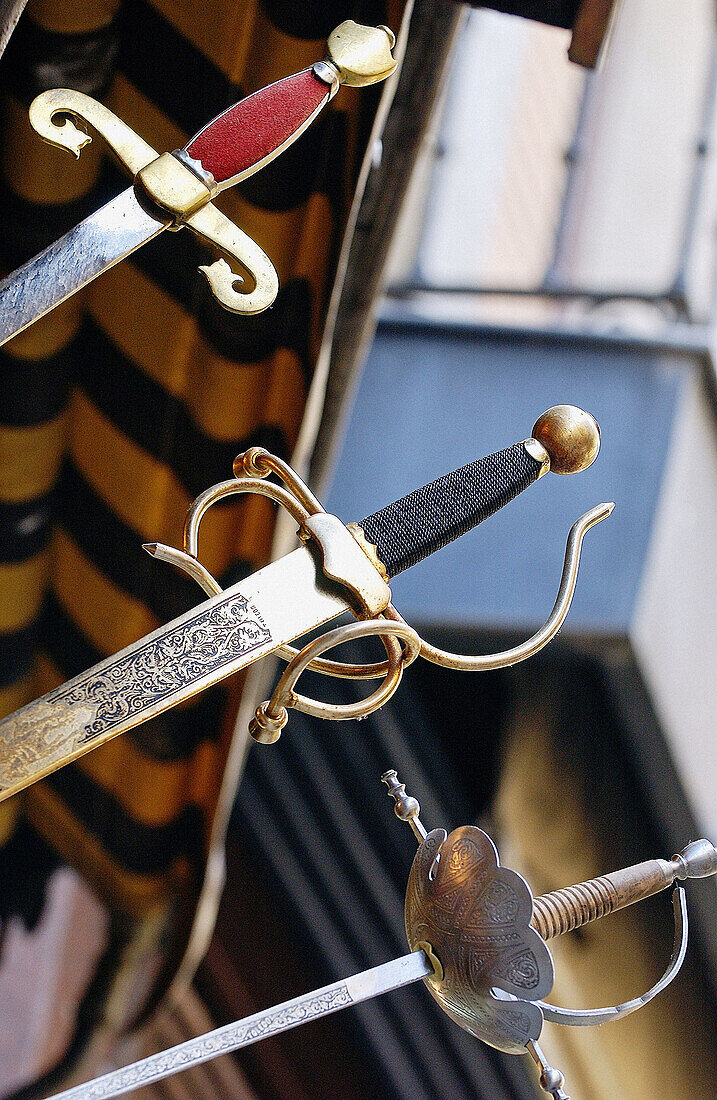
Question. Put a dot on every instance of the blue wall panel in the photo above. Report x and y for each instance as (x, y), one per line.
(435, 398)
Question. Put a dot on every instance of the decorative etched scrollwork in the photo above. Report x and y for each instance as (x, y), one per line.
(156, 669)
(220, 1041)
(476, 916)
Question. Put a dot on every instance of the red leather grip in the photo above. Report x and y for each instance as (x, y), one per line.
(258, 125)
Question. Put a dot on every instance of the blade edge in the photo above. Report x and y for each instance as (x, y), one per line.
(10, 12)
(98, 243)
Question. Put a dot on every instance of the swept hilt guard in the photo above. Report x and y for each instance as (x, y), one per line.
(486, 933)
(353, 555)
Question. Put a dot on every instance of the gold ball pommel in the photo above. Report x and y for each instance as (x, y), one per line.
(361, 55)
(570, 436)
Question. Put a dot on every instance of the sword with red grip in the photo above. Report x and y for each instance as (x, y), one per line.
(248, 135)
(175, 189)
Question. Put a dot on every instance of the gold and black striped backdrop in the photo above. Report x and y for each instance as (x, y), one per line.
(122, 405)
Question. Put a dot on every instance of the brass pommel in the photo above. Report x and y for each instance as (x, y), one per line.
(361, 55)
(570, 436)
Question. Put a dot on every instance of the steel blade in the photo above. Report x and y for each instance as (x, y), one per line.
(10, 12)
(96, 244)
(242, 1033)
(222, 635)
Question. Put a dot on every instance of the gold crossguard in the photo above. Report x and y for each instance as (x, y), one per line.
(177, 188)
(165, 183)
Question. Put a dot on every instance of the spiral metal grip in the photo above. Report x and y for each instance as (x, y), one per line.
(572, 907)
(427, 519)
(569, 908)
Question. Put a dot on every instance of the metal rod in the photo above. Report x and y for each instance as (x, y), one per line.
(410, 288)
(677, 336)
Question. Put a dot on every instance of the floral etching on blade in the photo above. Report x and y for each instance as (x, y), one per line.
(127, 686)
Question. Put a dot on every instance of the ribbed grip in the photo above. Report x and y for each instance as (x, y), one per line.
(564, 910)
(427, 519)
(263, 124)
(574, 906)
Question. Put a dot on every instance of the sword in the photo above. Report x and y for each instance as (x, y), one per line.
(336, 570)
(486, 963)
(176, 189)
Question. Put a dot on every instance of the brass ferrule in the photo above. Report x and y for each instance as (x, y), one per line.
(197, 168)
(172, 186)
(537, 451)
(437, 975)
(369, 549)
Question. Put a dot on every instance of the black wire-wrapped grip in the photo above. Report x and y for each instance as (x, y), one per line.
(417, 525)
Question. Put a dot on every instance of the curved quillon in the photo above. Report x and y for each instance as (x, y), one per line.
(403, 533)
(279, 603)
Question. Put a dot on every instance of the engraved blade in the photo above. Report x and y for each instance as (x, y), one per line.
(173, 663)
(242, 1033)
(96, 244)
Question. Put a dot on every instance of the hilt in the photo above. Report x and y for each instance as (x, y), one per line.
(252, 132)
(565, 439)
(484, 934)
(574, 906)
(178, 187)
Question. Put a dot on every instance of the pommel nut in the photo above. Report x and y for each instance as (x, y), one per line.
(264, 727)
(699, 860)
(570, 436)
(361, 55)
